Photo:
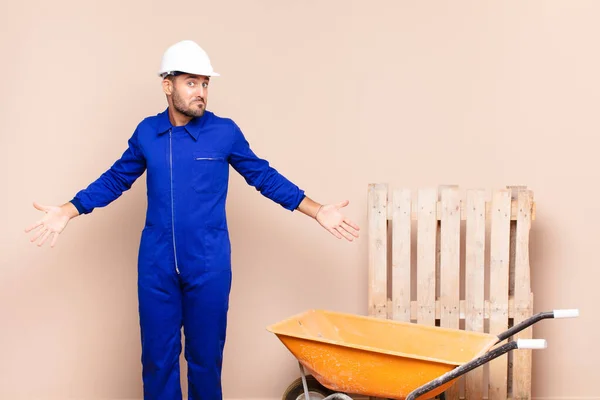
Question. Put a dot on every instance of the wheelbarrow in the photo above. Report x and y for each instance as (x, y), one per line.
(346, 354)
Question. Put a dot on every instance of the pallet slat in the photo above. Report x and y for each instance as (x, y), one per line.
(463, 310)
(474, 281)
(463, 212)
(401, 255)
(499, 278)
(426, 254)
(450, 259)
(522, 297)
(450, 266)
(377, 242)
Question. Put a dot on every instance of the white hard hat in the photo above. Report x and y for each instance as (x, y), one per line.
(186, 56)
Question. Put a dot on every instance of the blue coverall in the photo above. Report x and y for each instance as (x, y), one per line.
(184, 263)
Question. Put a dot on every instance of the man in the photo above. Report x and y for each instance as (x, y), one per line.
(184, 263)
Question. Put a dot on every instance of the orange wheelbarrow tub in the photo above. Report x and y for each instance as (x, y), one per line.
(358, 355)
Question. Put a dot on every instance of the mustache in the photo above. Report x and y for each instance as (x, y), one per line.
(200, 99)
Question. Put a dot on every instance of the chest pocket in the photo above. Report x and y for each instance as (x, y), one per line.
(210, 172)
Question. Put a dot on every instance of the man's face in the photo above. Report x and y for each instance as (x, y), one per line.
(190, 94)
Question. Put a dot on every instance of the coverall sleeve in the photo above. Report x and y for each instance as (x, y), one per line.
(112, 183)
(258, 173)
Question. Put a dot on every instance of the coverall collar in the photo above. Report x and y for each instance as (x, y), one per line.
(193, 127)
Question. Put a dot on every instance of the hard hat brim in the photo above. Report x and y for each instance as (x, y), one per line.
(167, 73)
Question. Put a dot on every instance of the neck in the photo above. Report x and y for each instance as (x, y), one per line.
(177, 118)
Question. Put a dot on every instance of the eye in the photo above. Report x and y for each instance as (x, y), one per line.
(191, 84)
(205, 85)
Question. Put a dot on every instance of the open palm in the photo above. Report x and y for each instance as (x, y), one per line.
(50, 225)
(330, 218)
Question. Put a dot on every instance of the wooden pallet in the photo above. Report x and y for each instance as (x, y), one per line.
(439, 256)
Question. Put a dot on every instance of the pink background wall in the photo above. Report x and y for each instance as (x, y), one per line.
(337, 95)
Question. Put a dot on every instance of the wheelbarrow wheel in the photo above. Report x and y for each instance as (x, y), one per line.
(316, 391)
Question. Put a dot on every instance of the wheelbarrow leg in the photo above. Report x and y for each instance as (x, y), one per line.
(304, 384)
(335, 396)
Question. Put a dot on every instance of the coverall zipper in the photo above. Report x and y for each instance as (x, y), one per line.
(172, 198)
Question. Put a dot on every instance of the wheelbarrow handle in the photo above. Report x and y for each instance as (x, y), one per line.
(536, 318)
(566, 313)
(533, 344)
(463, 369)
(496, 352)
(478, 362)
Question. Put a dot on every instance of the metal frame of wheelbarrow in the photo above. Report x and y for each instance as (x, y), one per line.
(477, 362)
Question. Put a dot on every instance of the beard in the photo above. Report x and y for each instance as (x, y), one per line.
(180, 105)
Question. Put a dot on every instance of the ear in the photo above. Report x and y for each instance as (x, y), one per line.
(167, 86)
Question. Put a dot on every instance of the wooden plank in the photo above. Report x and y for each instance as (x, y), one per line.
(450, 267)
(474, 280)
(426, 242)
(377, 245)
(463, 309)
(450, 259)
(511, 284)
(463, 211)
(438, 240)
(401, 255)
(499, 268)
(522, 359)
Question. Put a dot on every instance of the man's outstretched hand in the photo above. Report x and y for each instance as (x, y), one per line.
(52, 223)
(331, 218)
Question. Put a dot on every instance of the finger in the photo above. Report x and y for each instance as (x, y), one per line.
(33, 226)
(44, 238)
(352, 224)
(39, 233)
(335, 233)
(54, 239)
(344, 233)
(342, 204)
(349, 229)
(40, 207)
